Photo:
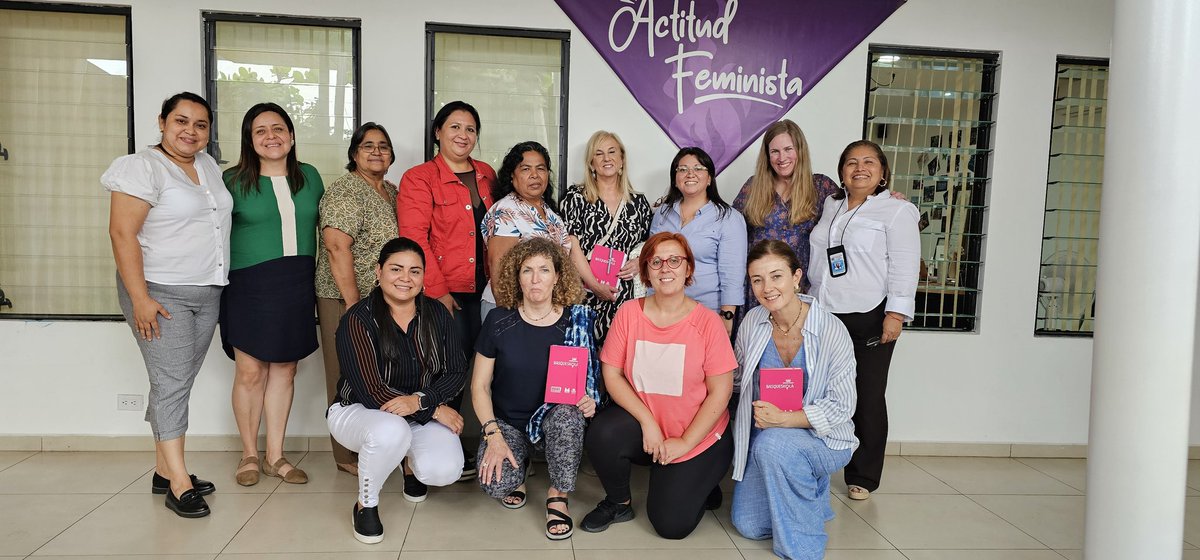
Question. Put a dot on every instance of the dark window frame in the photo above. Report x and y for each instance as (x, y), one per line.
(212, 18)
(91, 9)
(433, 28)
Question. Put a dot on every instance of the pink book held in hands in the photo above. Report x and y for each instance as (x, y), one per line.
(606, 262)
(782, 387)
(566, 374)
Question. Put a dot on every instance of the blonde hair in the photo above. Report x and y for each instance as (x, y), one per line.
(567, 291)
(762, 186)
(591, 189)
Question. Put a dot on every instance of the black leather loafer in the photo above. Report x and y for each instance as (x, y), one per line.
(191, 504)
(160, 485)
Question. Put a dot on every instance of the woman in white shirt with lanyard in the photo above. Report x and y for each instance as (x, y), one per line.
(866, 252)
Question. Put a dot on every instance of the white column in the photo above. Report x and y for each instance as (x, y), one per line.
(1142, 359)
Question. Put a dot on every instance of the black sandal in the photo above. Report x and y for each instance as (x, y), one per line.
(519, 495)
(563, 519)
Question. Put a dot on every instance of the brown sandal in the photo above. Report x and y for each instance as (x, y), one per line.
(247, 478)
(293, 476)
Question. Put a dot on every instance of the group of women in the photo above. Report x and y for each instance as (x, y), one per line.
(408, 280)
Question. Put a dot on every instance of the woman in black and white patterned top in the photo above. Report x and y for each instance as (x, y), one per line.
(603, 209)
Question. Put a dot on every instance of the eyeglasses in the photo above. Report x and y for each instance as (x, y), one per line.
(368, 148)
(698, 169)
(672, 261)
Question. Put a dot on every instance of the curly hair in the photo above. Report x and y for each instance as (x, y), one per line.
(567, 291)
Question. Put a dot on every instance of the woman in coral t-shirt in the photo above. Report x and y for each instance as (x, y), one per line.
(668, 365)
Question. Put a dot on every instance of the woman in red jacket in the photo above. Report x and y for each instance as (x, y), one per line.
(440, 206)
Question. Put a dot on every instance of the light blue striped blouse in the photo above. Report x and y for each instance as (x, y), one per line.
(829, 364)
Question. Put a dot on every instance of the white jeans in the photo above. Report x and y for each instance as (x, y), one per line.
(383, 439)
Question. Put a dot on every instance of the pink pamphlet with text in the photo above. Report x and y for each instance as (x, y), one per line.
(782, 387)
(606, 262)
(566, 374)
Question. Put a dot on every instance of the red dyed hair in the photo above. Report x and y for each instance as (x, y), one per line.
(652, 244)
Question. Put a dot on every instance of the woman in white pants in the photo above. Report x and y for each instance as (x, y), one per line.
(401, 363)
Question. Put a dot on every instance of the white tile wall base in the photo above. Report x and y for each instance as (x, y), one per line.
(319, 443)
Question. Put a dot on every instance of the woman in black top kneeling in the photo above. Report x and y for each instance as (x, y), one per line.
(400, 364)
(538, 294)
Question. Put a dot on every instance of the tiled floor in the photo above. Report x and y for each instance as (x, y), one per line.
(98, 505)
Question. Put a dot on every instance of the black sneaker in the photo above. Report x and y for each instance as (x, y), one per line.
(367, 528)
(415, 491)
(191, 504)
(160, 485)
(605, 514)
(469, 470)
(714, 499)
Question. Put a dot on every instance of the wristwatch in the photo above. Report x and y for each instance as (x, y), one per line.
(421, 401)
(726, 314)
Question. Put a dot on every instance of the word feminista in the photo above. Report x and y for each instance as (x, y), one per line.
(684, 26)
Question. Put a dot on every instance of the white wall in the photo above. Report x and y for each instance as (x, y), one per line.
(998, 385)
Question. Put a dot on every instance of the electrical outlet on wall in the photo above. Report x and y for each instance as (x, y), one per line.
(129, 402)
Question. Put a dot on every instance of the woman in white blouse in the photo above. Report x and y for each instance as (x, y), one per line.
(863, 265)
(169, 223)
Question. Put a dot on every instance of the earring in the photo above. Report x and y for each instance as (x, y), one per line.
(883, 183)
(376, 282)
(593, 172)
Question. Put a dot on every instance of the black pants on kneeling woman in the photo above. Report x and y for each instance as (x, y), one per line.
(675, 501)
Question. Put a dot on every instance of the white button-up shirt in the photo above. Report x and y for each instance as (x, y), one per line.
(185, 238)
(883, 255)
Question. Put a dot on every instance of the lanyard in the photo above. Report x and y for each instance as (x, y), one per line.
(835, 216)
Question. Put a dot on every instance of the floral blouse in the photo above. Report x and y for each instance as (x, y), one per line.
(513, 217)
(778, 226)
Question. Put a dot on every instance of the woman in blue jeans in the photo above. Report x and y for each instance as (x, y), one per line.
(783, 459)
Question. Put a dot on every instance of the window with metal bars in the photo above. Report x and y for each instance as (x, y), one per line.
(515, 78)
(1070, 233)
(308, 66)
(66, 98)
(931, 112)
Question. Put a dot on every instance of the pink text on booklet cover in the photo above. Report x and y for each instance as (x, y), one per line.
(606, 263)
(782, 387)
(566, 374)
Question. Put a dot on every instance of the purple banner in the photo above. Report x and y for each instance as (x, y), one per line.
(717, 73)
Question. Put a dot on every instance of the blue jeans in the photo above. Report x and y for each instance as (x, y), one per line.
(785, 491)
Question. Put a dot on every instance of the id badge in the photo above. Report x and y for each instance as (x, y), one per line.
(837, 261)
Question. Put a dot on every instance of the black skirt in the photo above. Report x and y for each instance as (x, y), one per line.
(268, 310)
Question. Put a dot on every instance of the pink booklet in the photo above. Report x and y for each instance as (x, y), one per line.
(566, 374)
(782, 387)
(606, 262)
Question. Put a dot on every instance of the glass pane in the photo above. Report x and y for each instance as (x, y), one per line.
(514, 82)
(64, 117)
(307, 70)
(1071, 230)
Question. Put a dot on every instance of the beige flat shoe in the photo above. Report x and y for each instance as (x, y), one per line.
(293, 476)
(348, 468)
(247, 478)
(858, 492)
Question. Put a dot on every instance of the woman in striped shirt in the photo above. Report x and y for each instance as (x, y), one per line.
(400, 363)
(783, 459)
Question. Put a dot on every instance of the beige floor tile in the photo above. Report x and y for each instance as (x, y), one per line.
(851, 555)
(1072, 472)
(10, 458)
(1192, 554)
(75, 473)
(639, 534)
(129, 524)
(939, 522)
(489, 555)
(1056, 521)
(1071, 554)
(480, 523)
(218, 467)
(1191, 521)
(846, 531)
(666, 554)
(981, 475)
(900, 476)
(377, 555)
(138, 557)
(981, 555)
(319, 522)
(28, 522)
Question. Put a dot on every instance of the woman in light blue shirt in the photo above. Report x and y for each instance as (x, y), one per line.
(715, 232)
(782, 460)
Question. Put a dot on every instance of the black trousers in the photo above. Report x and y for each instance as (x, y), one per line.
(870, 417)
(675, 501)
(466, 326)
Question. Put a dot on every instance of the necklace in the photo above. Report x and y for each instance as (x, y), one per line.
(537, 319)
(785, 331)
(174, 157)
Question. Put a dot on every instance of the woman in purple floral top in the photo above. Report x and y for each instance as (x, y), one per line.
(783, 200)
